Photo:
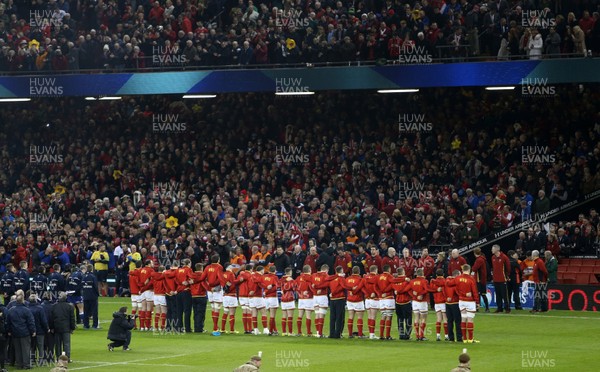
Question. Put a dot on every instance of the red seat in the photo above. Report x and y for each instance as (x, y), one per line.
(569, 278)
(574, 269)
(597, 262)
(593, 279)
(576, 262)
(588, 270)
(588, 263)
(582, 278)
(563, 269)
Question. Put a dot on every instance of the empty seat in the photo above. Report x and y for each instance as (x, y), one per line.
(582, 278)
(588, 263)
(576, 262)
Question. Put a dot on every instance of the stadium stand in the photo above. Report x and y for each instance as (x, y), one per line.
(115, 36)
(244, 170)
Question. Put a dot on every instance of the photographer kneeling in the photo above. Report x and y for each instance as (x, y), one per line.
(120, 329)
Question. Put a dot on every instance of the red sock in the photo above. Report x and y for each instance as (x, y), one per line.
(215, 318)
(381, 328)
(264, 321)
(359, 324)
(290, 322)
(156, 319)
(350, 326)
(254, 322)
(371, 324)
(438, 327)
(308, 326)
(319, 325)
(463, 330)
(388, 328)
(133, 312)
(446, 328)
(273, 325)
(299, 325)
(284, 325)
(232, 323)
(148, 319)
(223, 322)
(163, 320)
(417, 330)
(470, 328)
(423, 330)
(245, 321)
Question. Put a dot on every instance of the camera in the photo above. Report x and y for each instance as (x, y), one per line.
(131, 316)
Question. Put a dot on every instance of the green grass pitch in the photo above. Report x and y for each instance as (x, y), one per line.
(558, 341)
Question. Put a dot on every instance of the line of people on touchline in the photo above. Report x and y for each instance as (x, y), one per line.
(172, 293)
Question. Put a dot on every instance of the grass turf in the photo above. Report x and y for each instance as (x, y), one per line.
(558, 340)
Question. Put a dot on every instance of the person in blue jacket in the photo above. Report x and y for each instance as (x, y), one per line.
(5, 258)
(22, 277)
(90, 297)
(41, 329)
(39, 281)
(20, 326)
(56, 282)
(7, 283)
(74, 286)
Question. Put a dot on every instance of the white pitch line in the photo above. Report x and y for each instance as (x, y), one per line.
(128, 362)
(540, 316)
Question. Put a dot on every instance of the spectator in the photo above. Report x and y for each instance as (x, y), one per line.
(41, 330)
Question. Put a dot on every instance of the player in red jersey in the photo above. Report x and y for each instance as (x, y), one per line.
(371, 299)
(387, 305)
(437, 286)
(305, 300)
(288, 286)
(419, 289)
(321, 301)
(403, 305)
(356, 306)
(479, 272)
(134, 289)
(456, 261)
(147, 295)
(392, 260)
(171, 296)
(199, 298)
(230, 300)
(269, 283)
(160, 303)
(374, 259)
(245, 278)
(468, 297)
(183, 280)
(213, 276)
(257, 302)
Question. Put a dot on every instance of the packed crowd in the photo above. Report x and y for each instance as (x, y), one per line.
(227, 184)
(73, 35)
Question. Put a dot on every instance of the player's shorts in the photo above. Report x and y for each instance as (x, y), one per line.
(257, 302)
(136, 300)
(469, 306)
(290, 305)
(102, 276)
(356, 306)
(244, 301)
(271, 302)
(306, 304)
(419, 306)
(74, 299)
(230, 301)
(147, 296)
(387, 304)
(372, 304)
(215, 296)
(440, 307)
(321, 301)
(159, 300)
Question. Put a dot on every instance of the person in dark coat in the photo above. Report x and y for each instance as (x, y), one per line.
(20, 326)
(90, 297)
(62, 324)
(3, 339)
(41, 328)
(120, 330)
(49, 339)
